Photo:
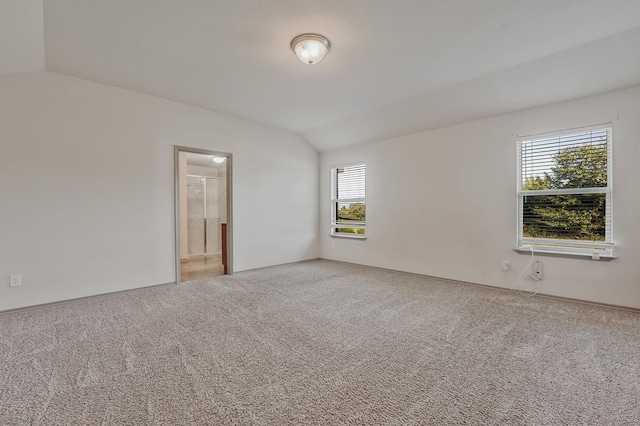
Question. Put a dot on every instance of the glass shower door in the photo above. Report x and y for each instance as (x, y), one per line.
(195, 215)
(216, 212)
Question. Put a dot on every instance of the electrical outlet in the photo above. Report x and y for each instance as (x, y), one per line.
(15, 280)
(506, 265)
(537, 270)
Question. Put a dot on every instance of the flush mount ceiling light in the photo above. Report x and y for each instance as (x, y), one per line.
(218, 160)
(310, 48)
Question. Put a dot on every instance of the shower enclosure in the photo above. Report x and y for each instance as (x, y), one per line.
(206, 211)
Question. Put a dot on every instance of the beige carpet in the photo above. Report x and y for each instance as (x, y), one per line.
(320, 343)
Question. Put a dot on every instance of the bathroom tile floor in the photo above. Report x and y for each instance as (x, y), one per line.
(197, 267)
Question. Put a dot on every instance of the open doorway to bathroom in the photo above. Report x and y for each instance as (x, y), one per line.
(203, 213)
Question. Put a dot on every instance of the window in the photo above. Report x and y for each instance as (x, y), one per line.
(348, 204)
(564, 192)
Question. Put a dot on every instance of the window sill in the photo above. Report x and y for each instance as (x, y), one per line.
(574, 255)
(353, 237)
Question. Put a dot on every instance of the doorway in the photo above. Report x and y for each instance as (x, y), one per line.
(203, 213)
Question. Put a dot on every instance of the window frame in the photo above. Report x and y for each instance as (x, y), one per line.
(592, 249)
(334, 225)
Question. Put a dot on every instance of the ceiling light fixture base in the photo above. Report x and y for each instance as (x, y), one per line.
(310, 48)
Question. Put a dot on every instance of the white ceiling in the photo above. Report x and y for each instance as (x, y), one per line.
(21, 37)
(204, 160)
(395, 66)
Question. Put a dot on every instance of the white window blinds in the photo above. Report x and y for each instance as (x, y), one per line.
(348, 200)
(564, 191)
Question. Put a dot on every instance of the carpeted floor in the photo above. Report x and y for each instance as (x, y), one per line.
(320, 343)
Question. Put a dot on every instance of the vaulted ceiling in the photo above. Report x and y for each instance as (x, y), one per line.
(395, 66)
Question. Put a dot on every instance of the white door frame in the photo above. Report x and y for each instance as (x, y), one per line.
(176, 166)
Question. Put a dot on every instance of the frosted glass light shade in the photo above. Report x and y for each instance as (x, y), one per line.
(218, 160)
(310, 48)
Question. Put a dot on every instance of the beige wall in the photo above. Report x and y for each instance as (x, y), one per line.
(86, 188)
(443, 202)
(193, 169)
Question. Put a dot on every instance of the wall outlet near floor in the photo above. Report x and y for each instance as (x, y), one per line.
(506, 265)
(15, 280)
(537, 270)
